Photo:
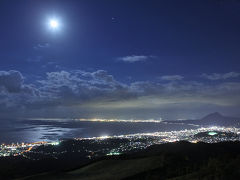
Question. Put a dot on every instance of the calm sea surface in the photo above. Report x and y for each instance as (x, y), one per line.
(41, 130)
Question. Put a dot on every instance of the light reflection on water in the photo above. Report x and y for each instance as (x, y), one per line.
(37, 130)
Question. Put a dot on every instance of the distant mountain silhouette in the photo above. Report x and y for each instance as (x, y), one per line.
(212, 116)
(215, 119)
(218, 119)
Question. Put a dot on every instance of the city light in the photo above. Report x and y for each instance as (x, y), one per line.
(212, 133)
(116, 145)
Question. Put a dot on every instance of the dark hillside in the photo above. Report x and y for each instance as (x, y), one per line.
(175, 161)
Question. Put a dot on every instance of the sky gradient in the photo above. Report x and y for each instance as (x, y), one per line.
(121, 59)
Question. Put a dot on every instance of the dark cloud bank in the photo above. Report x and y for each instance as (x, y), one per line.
(81, 94)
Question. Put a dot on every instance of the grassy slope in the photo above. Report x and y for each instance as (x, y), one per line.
(107, 169)
(177, 161)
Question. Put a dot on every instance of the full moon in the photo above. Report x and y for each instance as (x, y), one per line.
(54, 24)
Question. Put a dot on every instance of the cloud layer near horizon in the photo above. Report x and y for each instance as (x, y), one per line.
(81, 94)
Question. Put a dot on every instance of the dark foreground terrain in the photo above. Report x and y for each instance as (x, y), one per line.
(172, 161)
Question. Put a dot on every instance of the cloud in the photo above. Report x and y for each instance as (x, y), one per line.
(51, 65)
(99, 90)
(135, 58)
(172, 78)
(83, 85)
(35, 59)
(85, 94)
(12, 82)
(14, 93)
(216, 76)
(41, 46)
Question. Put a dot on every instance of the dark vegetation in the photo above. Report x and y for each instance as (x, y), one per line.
(172, 161)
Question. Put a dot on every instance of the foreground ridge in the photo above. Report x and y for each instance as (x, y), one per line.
(179, 160)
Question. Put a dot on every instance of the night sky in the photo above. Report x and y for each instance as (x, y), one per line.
(121, 59)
